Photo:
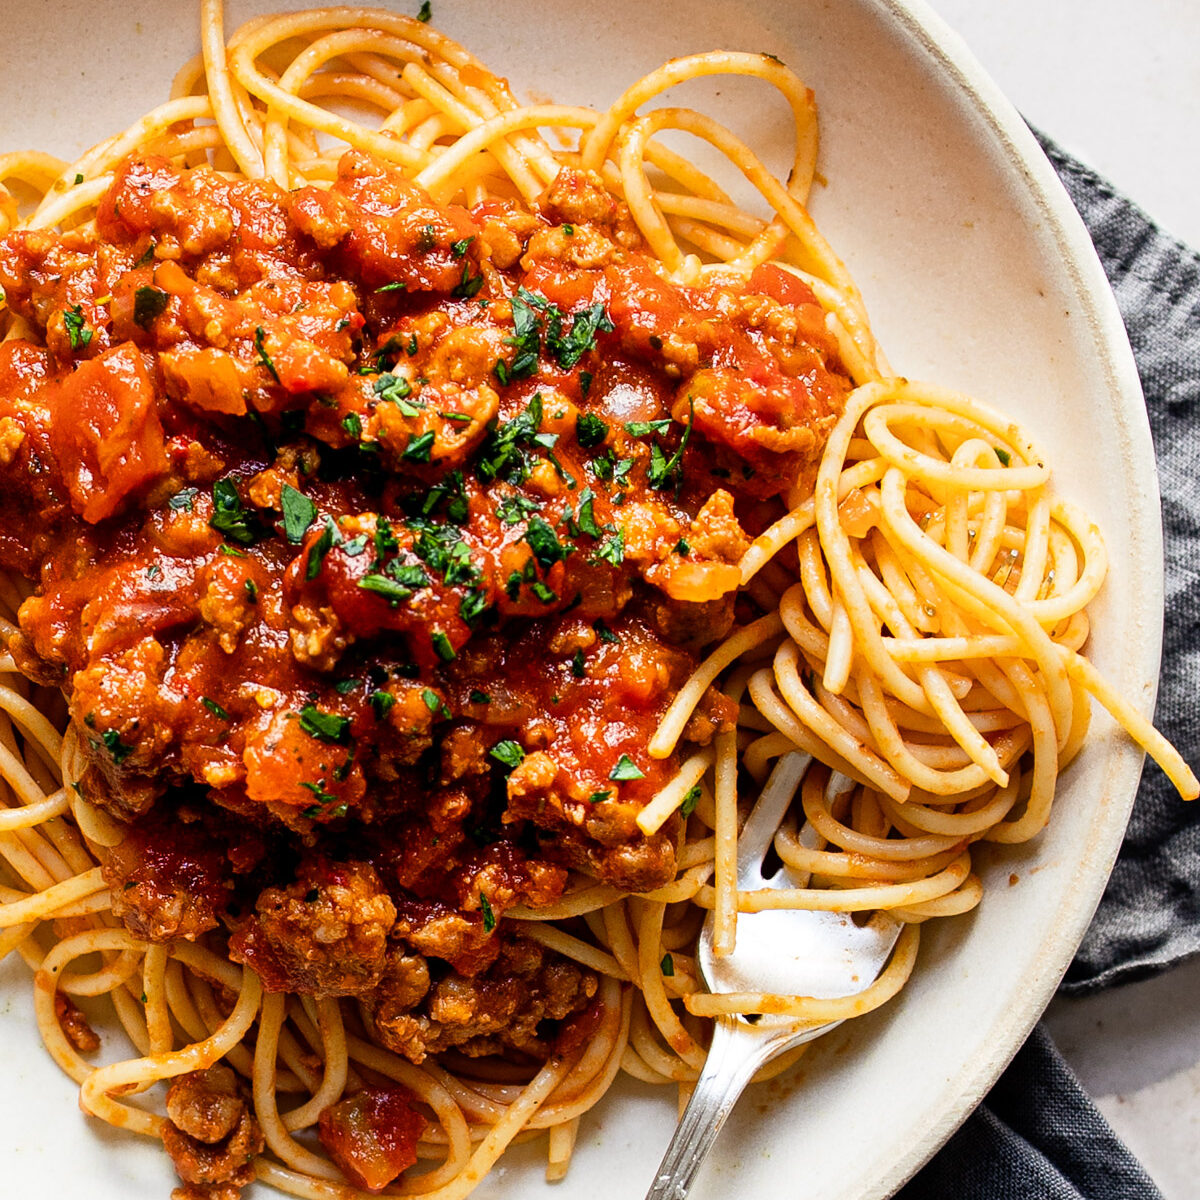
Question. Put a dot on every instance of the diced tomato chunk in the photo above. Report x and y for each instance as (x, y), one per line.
(372, 1135)
(105, 431)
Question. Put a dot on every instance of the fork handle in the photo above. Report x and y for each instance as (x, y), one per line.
(738, 1050)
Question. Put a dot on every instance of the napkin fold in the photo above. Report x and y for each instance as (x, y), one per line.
(1037, 1135)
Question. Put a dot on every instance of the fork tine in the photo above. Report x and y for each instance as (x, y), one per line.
(769, 809)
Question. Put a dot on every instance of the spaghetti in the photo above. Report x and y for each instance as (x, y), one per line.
(912, 618)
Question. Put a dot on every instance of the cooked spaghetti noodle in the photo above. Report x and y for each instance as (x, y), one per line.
(913, 621)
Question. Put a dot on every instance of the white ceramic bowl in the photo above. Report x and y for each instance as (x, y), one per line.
(979, 275)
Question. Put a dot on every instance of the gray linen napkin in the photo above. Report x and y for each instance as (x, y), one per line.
(1037, 1136)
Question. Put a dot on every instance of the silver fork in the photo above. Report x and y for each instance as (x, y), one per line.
(792, 953)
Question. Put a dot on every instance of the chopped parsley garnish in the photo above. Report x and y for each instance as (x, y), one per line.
(149, 303)
(603, 632)
(585, 383)
(542, 593)
(263, 357)
(147, 257)
(478, 697)
(115, 747)
(442, 647)
(468, 285)
(385, 586)
(385, 539)
(544, 543)
(598, 797)
(508, 752)
(419, 447)
(229, 514)
(410, 347)
(214, 708)
(667, 966)
(78, 334)
(626, 769)
(612, 549)
(380, 703)
(299, 512)
(323, 797)
(320, 548)
(586, 518)
(352, 424)
(526, 337)
(394, 389)
(578, 667)
(500, 454)
(682, 548)
(183, 499)
(344, 687)
(1004, 456)
(587, 323)
(641, 429)
(474, 605)
(512, 510)
(689, 801)
(459, 248)
(397, 285)
(251, 589)
(325, 727)
(666, 472)
(489, 917)
(424, 12)
(432, 700)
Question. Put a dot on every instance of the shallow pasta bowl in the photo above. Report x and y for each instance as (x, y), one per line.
(979, 276)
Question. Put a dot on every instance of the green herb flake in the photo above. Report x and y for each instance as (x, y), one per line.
(149, 303)
(424, 12)
(381, 703)
(1004, 456)
(323, 797)
(115, 747)
(512, 510)
(299, 512)
(667, 966)
(641, 429)
(612, 549)
(489, 917)
(251, 589)
(478, 697)
(508, 753)
(544, 543)
(604, 633)
(419, 447)
(625, 770)
(344, 687)
(397, 285)
(78, 333)
(229, 515)
(260, 336)
(578, 667)
(590, 430)
(682, 548)
(689, 802)
(214, 708)
(320, 548)
(442, 647)
(459, 248)
(325, 727)
(432, 700)
(352, 424)
(183, 500)
(598, 797)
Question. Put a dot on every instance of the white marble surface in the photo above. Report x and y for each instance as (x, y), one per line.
(1118, 85)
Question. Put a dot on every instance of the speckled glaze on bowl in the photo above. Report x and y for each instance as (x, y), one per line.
(980, 276)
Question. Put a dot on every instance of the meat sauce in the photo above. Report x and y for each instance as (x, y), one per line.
(372, 539)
